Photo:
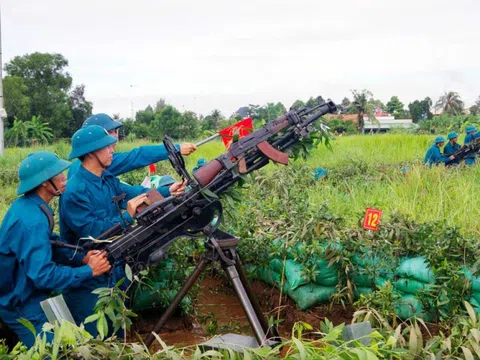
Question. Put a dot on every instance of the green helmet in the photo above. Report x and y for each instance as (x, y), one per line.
(470, 128)
(37, 168)
(439, 139)
(452, 135)
(90, 139)
(102, 120)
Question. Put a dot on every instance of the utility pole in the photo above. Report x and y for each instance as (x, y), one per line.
(3, 113)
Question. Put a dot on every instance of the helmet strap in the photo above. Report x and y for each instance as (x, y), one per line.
(57, 192)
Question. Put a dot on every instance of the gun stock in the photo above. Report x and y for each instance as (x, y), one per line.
(207, 173)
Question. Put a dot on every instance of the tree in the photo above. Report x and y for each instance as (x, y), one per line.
(395, 107)
(360, 104)
(17, 102)
(344, 106)
(420, 109)
(39, 130)
(18, 133)
(145, 116)
(297, 104)
(38, 85)
(475, 108)
(81, 108)
(315, 101)
(216, 117)
(160, 105)
(169, 121)
(450, 103)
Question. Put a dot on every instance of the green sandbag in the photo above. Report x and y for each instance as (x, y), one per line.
(409, 306)
(416, 268)
(166, 271)
(327, 276)
(309, 295)
(377, 264)
(475, 304)
(268, 276)
(363, 280)
(156, 296)
(293, 272)
(380, 281)
(276, 265)
(476, 296)
(361, 290)
(475, 280)
(410, 286)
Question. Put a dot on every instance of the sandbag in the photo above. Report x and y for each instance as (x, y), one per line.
(362, 290)
(376, 264)
(410, 286)
(363, 280)
(309, 295)
(276, 265)
(165, 272)
(409, 306)
(380, 281)
(327, 276)
(268, 276)
(416, 268)
(157, 295)
(293, 272)
(474, 280)
(476, 296)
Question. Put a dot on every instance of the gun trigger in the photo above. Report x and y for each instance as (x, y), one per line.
(272, 153)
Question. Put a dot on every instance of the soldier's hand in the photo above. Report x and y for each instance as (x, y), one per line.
(187, 148)
(90, 253)
(178, 188)
(452, 157)
(134, 203)
(99, 263)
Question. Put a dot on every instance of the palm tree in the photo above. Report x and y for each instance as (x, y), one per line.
(217, 117)
(360, 104)
(18, 133)
(40, 130)
(450, 103)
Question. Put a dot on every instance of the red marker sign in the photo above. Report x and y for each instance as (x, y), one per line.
(372, 219)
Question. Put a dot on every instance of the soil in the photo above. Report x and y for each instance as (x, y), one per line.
(217, 303)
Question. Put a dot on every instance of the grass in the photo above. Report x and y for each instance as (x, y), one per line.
(363, 171)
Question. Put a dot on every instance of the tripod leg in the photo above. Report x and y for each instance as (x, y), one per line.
(270, 331)
(253, 319)
(178, 299)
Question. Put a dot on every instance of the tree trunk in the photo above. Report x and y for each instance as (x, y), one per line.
(361, 123)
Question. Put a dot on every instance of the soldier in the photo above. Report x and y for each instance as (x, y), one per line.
(452, 146)
(470, 130)
(434, 156)
(27, 264)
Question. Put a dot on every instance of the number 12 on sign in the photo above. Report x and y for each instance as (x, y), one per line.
(372, 219)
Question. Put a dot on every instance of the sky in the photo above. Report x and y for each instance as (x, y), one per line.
(206, 54)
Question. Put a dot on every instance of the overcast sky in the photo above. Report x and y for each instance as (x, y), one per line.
(204, 54)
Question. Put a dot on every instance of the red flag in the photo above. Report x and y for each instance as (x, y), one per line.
(241, 128)
(152, 168)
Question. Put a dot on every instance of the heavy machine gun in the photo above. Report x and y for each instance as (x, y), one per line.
(198, 212)
(191, 214)
(466, 150)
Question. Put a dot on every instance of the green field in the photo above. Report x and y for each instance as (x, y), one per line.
(363, 171)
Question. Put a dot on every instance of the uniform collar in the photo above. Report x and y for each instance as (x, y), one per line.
(91, 177)
(32, 196)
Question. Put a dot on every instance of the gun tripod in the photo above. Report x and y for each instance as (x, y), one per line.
(222, 247)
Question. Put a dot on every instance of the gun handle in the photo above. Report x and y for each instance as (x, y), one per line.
(207, 173)
(152, 196)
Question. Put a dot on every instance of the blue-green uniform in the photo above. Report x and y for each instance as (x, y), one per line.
(127, 161)
(434, 156)
(470, 160)
(86, 210)
(451, 149)
(28, 271)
